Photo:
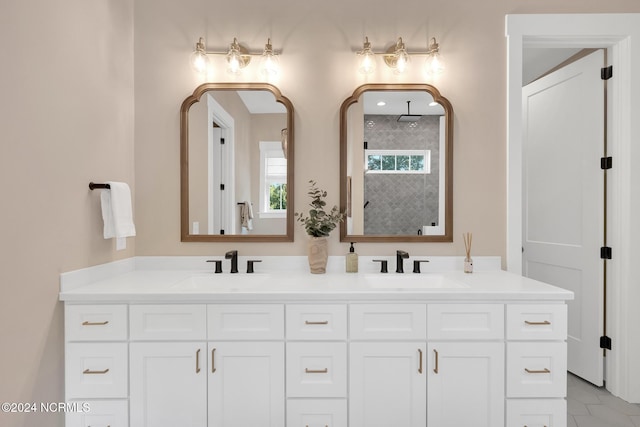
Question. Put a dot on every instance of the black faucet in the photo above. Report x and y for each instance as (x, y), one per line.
(233, 256)
(400, 257)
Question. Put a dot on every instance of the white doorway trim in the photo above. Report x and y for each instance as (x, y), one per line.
(226, 122)
(620, 33)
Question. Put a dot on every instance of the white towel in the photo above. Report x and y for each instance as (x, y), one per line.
(246, 215)
(117, 213)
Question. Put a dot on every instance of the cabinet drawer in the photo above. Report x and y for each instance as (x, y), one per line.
(537, 322)
(96, 370)
(237, 322)
(317, 369)
(537, 412)
(465, 321)
(183, 322)
(95, 322)
(316, 322)
(388, 321)
(100, 413)
(536, 369)
(317, 413)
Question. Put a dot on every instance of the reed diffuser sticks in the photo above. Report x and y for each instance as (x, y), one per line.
(468, 262)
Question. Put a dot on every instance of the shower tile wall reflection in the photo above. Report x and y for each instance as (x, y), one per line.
(401, 204)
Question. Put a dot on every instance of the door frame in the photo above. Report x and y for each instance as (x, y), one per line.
(614, 32)
(226, 122)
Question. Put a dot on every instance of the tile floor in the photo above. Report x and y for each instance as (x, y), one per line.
(591, 406)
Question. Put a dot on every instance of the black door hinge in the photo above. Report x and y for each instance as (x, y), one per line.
(606, 163)
(605, 342)
(366, 145)
(605, 252)
(221, 141)
(606, 73)
(221, 186)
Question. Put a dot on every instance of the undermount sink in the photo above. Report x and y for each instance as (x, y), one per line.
(223, 282)
(411, 281)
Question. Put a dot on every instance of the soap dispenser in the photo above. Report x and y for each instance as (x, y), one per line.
(352, 260)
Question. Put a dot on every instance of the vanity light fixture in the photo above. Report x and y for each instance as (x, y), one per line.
(237, 56)
(397, 57)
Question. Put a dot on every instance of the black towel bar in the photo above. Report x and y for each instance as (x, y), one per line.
(93, 186)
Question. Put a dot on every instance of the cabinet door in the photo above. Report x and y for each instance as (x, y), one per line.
(465, 384)
(168, 384)
(387, 384)
(246, 384)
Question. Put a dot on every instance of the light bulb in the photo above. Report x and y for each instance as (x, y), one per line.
(434, 64)
(367, 58)
(234, 59)
(402, 57)
(269, 61)
(199, 58)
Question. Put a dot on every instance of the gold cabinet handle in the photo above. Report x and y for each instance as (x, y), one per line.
(543, 371)
(198, 361)
(213, 361)
(307, 425)
(90, 372)
(324, 322)
(87, 323)
(316, 371)
(544, 323)
(420, 355)
(435, 370)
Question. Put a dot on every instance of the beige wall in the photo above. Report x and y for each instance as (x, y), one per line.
(318, 72)
(67, 118)
(66, 85)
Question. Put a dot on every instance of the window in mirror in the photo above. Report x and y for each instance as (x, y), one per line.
(273, 183)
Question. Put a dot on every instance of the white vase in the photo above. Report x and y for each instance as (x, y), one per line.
(318, 254)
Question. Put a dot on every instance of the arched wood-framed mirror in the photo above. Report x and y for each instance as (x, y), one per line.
(396, 164)
(236, 164)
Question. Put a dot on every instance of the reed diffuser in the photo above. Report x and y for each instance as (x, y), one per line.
(468, 262)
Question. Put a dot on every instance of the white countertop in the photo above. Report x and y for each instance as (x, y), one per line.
(162, 279)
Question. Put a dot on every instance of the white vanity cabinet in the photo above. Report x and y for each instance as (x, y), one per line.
(246, 374)
(536, 365)
(465, 365)
(316, 368)
(168, 363)
(96, 364)
(344, 358)
(386, 365)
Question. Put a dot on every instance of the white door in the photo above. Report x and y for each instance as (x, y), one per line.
(465, 384)
(563, 197)
(168, 385)
(387, 385)
(246, 384)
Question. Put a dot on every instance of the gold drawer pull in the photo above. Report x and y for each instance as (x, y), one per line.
(420, 355)
(307, 425)
(324, 322)
(198, 361)
(316, 371)
(435, 370)
(531, 371)
(546, 322)
(90, 372)
(87, 323)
